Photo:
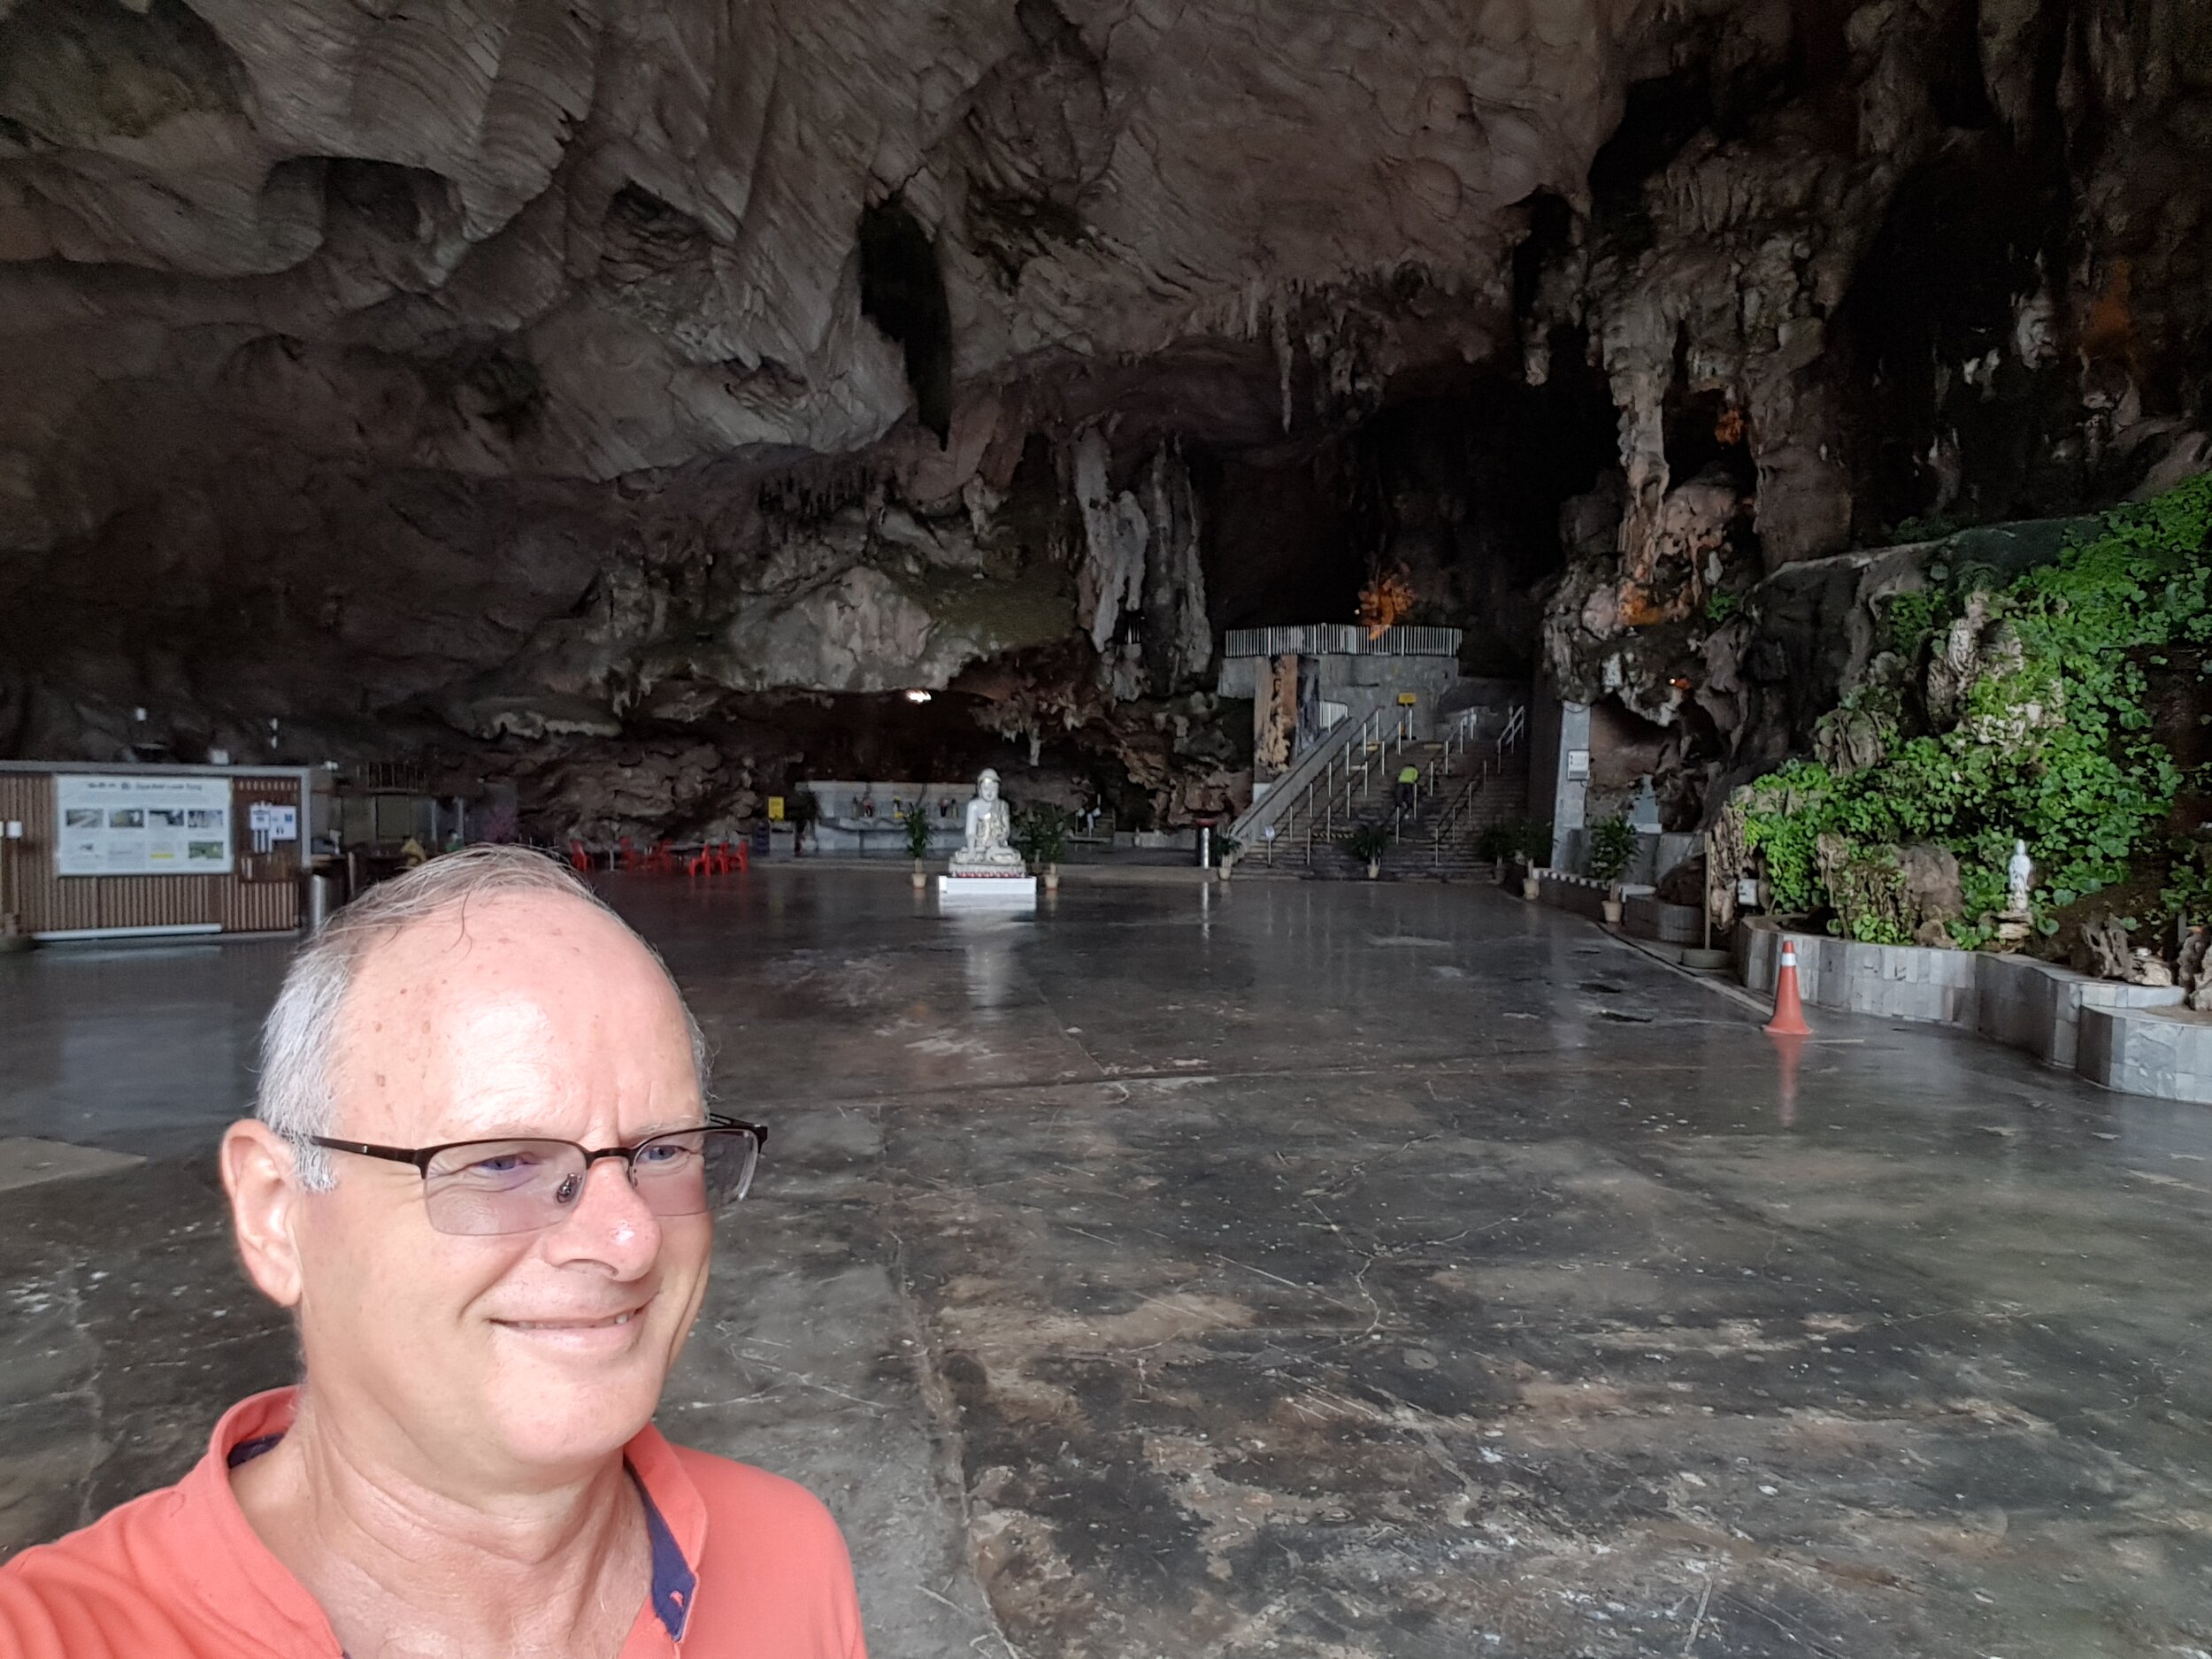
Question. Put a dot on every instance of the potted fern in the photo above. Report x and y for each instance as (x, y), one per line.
(1368, 844)
(1497, 843)
(1226, 850)
(1612, 845)
(917, 843)
(1041, 833)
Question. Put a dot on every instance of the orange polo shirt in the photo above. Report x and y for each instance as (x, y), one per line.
(746, 1566)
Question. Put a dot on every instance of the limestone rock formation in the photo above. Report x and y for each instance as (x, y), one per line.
(537, 385)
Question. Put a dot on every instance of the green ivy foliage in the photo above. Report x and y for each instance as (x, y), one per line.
(2054, 745)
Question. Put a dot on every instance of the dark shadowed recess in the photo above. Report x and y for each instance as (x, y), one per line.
(903, 292)
(1460, 477)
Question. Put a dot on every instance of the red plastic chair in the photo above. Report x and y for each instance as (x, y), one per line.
(628, 852)
(663, 859)
(701, 863)
(580, 858)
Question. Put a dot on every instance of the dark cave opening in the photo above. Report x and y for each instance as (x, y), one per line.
(1967, 240)
(1463, 487)
(1550, 233)
(1459, 479)
(1659, 116)
(1706, 433)
(1712, 91)
(903, 292)
(1282, 549)
(871, 734)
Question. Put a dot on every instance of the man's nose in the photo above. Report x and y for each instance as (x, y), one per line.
(608, 1221)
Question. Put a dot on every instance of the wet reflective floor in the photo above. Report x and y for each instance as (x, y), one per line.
(1292, 1268)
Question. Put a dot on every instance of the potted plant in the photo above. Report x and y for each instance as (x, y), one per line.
(1041, 833)
(1226, 850)
(917, 843)
(1532, 841)
(1368, 844)
(1497, 843)
(1612, 844)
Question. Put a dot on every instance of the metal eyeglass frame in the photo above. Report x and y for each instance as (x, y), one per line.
(421, 1157)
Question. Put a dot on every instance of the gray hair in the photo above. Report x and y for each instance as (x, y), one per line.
(295, 1097)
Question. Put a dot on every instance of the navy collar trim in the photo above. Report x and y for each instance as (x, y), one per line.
(675, 1586)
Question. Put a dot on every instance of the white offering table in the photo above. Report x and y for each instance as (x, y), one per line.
(997, 891)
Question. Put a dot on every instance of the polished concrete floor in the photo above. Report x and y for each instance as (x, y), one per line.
(1291, 1269)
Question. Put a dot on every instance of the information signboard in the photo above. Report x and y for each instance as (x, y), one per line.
(127, 826)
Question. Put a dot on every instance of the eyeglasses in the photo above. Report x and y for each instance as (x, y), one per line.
(478, 1187)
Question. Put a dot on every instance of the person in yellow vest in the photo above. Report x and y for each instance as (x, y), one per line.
(1409, 785)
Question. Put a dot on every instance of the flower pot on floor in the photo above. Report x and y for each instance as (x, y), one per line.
(1611, 907)
(1052, 878)
(921, 877)
(1374, 869)
(1532, 884)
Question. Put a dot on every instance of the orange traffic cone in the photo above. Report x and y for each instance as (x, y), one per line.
(1789, 1010)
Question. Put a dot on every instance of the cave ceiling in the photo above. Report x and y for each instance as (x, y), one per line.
(541, 371)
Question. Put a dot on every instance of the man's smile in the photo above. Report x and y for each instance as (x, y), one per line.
(582, 1330)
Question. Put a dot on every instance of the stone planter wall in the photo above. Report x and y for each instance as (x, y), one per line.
(2133, 1037)
(1648, 917)
(1585, 895)
(2166, 1052)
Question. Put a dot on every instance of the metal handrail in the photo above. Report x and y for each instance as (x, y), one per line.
(1508, 739)
(1450, 822)
(1373, 742)
(1325, 783)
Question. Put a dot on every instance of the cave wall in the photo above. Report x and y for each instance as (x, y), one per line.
(577, 395)
(1862, 282)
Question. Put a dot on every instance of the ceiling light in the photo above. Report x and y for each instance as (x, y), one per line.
(917, 696)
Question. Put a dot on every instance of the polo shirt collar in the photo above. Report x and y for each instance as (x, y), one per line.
(241, 1573)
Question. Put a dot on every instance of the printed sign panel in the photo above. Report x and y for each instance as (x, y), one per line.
(142, 827)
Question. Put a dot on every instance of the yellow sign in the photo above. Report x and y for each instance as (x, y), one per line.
(1406, 699)
(775, 809)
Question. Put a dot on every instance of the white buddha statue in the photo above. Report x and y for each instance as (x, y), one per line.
(988, 851)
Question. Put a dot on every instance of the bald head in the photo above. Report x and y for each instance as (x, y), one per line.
(472, 914)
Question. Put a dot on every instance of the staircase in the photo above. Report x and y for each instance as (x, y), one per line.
(1442, 844)
(1465, 785)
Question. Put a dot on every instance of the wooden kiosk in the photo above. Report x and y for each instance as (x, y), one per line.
(123, 851)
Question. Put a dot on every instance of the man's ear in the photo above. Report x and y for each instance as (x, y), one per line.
(265, 1208)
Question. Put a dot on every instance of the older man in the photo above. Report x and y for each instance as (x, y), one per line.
(483, 1179)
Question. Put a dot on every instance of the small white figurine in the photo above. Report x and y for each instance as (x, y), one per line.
(2020, 875)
